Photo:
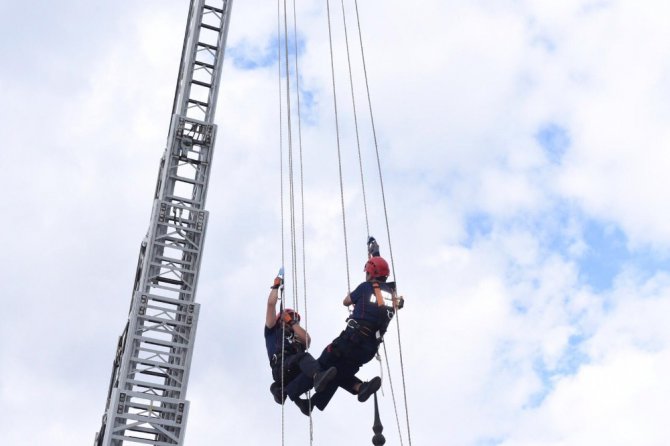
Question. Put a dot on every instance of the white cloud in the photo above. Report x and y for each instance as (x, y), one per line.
(503, 342)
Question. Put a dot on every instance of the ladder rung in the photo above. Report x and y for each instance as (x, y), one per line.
(213, 28)
(150, 373)
(185, 200)
(168, 280)
(171, 260)
(212, 8)
(149, 385)
(202, 84)
(207, 45)
(162, 343)
(204, 64)
(193, 101)
(187, 180)
(157, 364)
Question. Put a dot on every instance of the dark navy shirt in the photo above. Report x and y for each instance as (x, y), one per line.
(365, 304)
(273, 341)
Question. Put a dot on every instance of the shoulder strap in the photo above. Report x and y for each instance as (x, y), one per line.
(378, 294)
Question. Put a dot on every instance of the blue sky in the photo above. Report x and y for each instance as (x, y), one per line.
(524, 147)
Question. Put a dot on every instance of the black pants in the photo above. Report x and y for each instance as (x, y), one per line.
(298, 365)
(348, 352)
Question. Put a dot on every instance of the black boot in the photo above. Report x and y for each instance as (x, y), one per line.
(368, 388)
(275, 389)
(304, 405)
(321, 379)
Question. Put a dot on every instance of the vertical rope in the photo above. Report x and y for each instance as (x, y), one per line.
(302, 201)
(353, 102)
(395, 406)
(281, 136)
(386, 219)
(294, 280)
(402, 371)
(281, 194)
(302, 186)
(374, 134)
(339, 152)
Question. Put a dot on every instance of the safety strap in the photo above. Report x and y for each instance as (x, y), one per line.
(378, 294)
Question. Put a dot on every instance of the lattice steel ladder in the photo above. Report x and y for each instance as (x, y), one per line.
(146, 401)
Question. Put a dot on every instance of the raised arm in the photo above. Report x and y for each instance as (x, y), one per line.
(270, 315)
(270, 318)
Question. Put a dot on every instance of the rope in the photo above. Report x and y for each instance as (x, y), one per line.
(353, 102)
(281, 195)
(302, 186)
(395, 406)
(339, 153)
(294, 279)
(291, 174)
(302, 204)
(386, 220)
(374, 134)
(402, 371)
(281, 137)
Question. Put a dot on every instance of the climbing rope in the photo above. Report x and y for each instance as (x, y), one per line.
(302, 201)
(281, 201)
(353, 103)
(381, 180)
(386, 218)
(293, 225)
(339, 151)
(374, 135)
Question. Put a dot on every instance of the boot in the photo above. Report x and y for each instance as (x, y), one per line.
(368, 388)
(304, 406)
(275, 389)
(321, 379)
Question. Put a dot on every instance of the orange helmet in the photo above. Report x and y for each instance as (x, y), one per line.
(377, 267)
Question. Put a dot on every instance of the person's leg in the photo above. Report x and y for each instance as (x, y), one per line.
(351, 384)
(321, 399)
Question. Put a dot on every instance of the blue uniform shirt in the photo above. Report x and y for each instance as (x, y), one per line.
(365, 304)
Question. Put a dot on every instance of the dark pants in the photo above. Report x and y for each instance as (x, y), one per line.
(348, 352)
(296, 366)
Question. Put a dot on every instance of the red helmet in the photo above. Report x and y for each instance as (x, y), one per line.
(377, 267)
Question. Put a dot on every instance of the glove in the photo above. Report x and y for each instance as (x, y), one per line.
(279, 280)
(373, 247)
(277, 283)
(290, 317)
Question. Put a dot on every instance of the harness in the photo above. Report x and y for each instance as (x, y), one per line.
(288, 346)
(364, 328)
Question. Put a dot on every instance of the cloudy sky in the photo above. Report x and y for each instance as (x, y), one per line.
(525, 153)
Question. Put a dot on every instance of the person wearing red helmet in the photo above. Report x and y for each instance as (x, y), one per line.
(286, 341)
(359, 341)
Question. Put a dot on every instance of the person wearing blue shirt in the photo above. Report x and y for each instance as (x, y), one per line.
(286, 342)
(359, 341)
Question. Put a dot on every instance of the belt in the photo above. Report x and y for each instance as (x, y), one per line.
(364, 328)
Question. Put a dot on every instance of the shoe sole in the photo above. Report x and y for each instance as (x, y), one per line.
(373, 386)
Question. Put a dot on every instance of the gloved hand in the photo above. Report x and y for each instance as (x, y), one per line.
(290, 317)
(373, 247)
(279, 280)
(277, 283)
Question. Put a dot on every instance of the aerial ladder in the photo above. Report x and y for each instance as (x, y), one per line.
(146, 402)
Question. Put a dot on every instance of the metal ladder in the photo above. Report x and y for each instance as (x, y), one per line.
(146, 402)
